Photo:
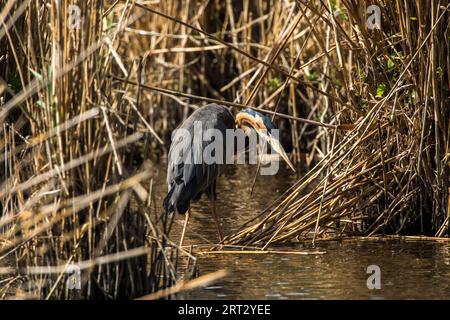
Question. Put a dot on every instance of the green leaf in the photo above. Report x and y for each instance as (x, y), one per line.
(274, 84)
(108, 22)
(412, 96)
(362, 74)
(440, 72)
(40, 104)
(312, 76)
(364, 107)
(390, 63)
(35, 74)
(333, 5)
(381, 88)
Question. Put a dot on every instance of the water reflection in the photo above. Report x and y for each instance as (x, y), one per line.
(409, 270)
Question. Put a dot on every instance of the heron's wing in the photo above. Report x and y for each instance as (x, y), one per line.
(178, 168)
(185, 161)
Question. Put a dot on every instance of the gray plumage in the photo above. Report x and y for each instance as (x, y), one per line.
(186, 179)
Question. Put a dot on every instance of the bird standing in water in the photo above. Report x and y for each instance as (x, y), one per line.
(188, 179)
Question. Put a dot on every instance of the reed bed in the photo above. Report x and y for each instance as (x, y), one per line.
(76, 192)
(390, 173)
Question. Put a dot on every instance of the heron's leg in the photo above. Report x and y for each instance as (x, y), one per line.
(186, 220)
(216, 219)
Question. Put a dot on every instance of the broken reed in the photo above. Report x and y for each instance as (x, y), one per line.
(74, 186)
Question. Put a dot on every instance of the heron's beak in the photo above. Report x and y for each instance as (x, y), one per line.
(276, 145)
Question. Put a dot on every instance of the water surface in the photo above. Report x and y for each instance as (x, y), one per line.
(409, 270)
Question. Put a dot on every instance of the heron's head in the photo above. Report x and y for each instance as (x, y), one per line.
(249, 119)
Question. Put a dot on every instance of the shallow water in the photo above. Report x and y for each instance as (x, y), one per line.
(409, 270)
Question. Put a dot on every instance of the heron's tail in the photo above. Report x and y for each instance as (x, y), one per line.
(177, 199)
(168, 203)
